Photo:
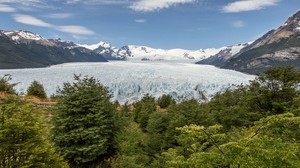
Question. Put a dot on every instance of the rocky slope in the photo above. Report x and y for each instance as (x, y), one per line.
(278, 47)
(225, 54)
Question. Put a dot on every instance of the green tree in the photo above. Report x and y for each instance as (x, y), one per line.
(5, 86)
(143, 109)
(131, 147)
(84, 123)
(275, 90)
(24, 137)
(272, 142)
(36, 89)
(165, 101)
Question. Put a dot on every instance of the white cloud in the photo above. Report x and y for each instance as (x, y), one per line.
(92, 2)
(30, 20)
(6, 8)
(154, 5)
(33, 21)
(238, 24)
(79, 30)
(59, 15)
(248, 5)
(26, 4)
(140, 21)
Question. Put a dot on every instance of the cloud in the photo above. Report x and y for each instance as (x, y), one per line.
(30, 20)
(26, 4)
(59, 15)
(6, 8)
(238, 24)
(140, 21)
(80, 30)
(248, 5)
(93, 2)
(154, 5)
(33, 21)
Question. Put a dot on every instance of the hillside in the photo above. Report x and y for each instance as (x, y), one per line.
(20, 49)
(278, 47)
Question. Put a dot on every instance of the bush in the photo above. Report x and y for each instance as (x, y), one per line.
(5, 86)
(36, 89)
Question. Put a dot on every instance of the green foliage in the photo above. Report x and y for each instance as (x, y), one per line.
(24, 137)
(131, 147)
(275, 90)
(143, 109)
(36, 89)
(84, 122)
(165, 101)
(272, 142)
(5, 86)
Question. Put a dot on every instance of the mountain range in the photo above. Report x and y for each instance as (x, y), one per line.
(281, 46)
(278, 47)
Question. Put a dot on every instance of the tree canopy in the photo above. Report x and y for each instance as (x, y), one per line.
(84, 122)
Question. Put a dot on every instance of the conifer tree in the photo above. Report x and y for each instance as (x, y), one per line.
(84, 122)
(36, 89)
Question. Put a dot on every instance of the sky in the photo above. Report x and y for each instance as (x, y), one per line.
(166, 24)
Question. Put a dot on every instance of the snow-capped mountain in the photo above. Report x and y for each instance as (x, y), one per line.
(24, 49)
(221, 57)
(105, 49)
(278, 47)
(135, 52)
(21, 36)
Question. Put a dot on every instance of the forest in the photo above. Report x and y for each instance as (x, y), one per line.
(254, 125)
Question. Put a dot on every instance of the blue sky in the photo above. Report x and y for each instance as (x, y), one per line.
(188, 24)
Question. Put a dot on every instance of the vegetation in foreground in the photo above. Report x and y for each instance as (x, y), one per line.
(257, 125)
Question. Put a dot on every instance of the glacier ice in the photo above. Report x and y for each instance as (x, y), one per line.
(130, 81)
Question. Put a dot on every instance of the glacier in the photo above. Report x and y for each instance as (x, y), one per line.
(130, 81)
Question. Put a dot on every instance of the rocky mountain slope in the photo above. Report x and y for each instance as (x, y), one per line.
(24, 49)
(278, 47)
(225, 54)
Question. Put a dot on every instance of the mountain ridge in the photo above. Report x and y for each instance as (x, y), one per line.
(24, 49)
(278, 47)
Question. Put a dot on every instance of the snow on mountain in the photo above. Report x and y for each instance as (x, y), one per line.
(130, 81)
(225, 54)
(143, 52)
(137, 53)
(95, 46)
(21, 36)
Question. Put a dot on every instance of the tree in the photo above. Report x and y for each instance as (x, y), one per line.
(84, 122)
(165, 101)
(24, 137)
(143, 109)
(36, 89)
(5, 86)
(275, 90)
(272, 142)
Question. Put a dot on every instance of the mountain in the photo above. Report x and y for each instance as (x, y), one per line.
(108, 51)
(225, 54)
(278, 47)
(134, 52)
(24, 49)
